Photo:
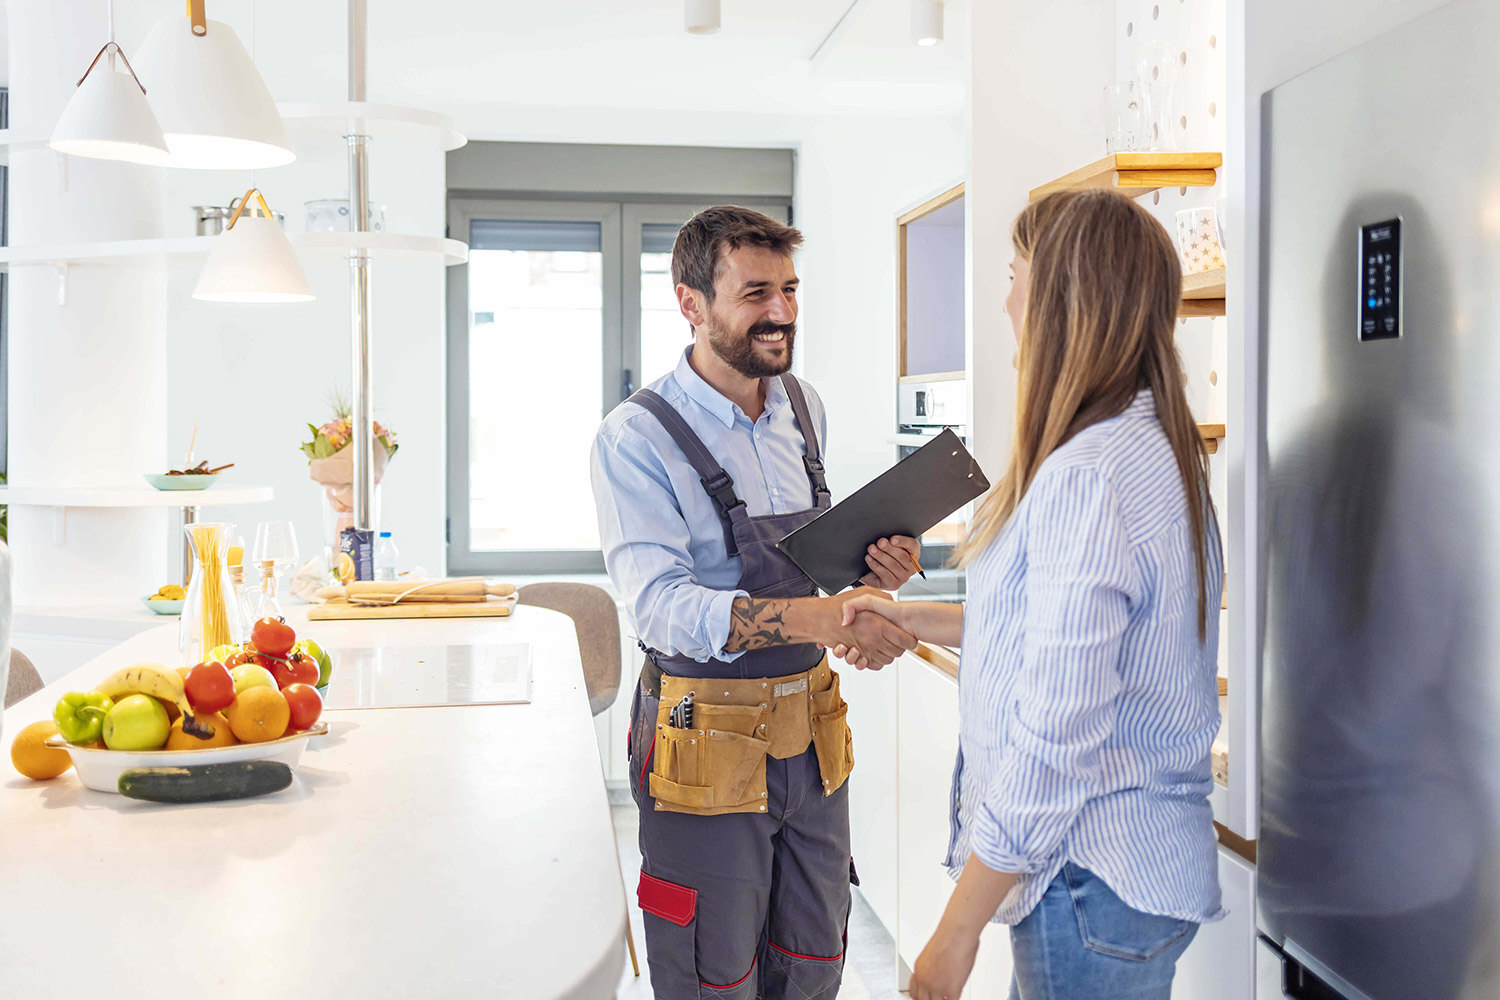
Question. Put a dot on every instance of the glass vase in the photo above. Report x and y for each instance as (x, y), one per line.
(211, 612)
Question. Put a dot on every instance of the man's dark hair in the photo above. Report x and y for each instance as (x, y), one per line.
(712, 233)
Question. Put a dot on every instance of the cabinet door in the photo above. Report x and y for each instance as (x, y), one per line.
(927, 738)
(872, 698)
(1220, 963)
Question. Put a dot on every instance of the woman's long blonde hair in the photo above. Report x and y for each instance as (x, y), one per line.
(1101, 311)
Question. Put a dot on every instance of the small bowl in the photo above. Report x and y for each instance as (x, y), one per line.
(101, 769)
(163, 607)
(162, 481)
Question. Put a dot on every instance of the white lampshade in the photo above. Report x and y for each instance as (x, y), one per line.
(108, 118)
(253, 261)
(701, 17)
(927, 21)
(214, 109)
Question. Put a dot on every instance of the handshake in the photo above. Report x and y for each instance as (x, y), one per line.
(869, 631)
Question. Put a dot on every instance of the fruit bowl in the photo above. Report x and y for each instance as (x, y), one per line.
(101, 769)
(162, 481)
(162, 607)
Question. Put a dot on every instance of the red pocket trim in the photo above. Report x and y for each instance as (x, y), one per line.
(810, 958)
(731, 985)
(676, 903)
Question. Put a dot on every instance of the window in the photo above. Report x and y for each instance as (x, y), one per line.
(564, 309)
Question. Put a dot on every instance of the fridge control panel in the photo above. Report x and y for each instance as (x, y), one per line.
(1380, 280)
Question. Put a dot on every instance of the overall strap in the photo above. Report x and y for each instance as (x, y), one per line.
(813, 460)
(717, 483)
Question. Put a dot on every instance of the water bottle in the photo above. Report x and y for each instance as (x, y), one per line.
(385, 557)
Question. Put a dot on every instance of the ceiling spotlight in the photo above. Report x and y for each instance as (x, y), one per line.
(927, 21)
(701, 17)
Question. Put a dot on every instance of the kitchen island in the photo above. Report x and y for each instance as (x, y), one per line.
(456, 850)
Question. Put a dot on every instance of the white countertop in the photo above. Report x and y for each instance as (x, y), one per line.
(448, 851)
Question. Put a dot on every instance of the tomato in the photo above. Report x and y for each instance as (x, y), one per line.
(273, 636)
(280, 669)
(306, 705)
(303, 670)
(210, 688)
(242, 657)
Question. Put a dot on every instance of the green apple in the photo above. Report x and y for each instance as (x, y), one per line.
(325, 662)
(137, 722)
(249, 675)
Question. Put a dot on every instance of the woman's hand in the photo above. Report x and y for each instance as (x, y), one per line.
(892, 562)
(944, 965)
(870, 602)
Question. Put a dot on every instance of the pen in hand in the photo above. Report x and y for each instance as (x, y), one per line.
(919, 567)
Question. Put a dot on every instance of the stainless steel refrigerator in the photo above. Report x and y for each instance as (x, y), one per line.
(1378, 872)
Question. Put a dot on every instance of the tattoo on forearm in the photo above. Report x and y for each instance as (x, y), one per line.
(756, 624)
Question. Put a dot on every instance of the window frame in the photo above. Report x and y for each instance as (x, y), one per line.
(462, 558)
(621, 219)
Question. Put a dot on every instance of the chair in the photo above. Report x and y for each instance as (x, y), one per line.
(24, 680)
(597, 622)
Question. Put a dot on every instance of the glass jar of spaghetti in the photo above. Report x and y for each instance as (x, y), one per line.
(211, 614)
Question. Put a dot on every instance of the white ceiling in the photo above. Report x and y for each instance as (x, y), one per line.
(477, 58)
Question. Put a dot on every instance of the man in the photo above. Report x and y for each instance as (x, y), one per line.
(738, 748)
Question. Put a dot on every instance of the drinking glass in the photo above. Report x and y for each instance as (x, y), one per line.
(1123, 117)
(275, 553)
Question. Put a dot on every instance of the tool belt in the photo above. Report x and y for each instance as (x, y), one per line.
(718, 765)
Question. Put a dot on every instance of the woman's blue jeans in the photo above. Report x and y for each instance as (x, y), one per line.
(1083, 943)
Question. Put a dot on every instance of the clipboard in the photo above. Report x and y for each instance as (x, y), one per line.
(907, 499)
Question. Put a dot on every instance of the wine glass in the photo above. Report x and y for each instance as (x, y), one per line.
(275, 553)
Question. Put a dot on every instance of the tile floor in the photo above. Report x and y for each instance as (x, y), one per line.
(869, 972)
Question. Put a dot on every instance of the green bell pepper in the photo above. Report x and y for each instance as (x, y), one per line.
(80, 717)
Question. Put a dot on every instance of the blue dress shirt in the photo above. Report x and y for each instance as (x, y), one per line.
(662, 537)
(1087, 702)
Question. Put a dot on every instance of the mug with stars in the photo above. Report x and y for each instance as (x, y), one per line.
(1198, 240)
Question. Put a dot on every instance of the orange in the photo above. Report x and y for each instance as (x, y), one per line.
(259, 714)
(223, 735)
(35, 760)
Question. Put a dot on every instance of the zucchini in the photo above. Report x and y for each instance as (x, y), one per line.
(205, 782)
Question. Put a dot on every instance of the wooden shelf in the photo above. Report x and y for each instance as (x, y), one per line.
(1135, 174)
(1203, 294)
(1212, 434)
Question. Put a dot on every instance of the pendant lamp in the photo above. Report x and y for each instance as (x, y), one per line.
(214, 108)
(108, 117)
(252, 261)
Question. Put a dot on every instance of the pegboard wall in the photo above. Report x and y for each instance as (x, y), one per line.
(1192, 33)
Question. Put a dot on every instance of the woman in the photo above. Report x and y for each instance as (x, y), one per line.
(1088, 699)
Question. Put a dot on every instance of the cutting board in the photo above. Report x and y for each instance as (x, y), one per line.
(340, 610)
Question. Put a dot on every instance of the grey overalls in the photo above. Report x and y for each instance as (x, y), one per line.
(751, 902)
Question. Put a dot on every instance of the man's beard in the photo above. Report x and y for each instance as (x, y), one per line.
(738, 350)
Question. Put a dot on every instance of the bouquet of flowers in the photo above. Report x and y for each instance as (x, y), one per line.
(330, 459)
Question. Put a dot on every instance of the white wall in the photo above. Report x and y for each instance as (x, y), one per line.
(854, 177)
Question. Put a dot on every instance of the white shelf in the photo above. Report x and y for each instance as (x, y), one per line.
(379, 245)
(131, 496)
(381, 122)
(14, 142)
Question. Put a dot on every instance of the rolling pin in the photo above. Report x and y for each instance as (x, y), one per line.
(468, 589)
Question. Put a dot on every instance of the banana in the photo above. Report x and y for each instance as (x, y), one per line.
(158, 682)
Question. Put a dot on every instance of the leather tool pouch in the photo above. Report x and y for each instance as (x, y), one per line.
(719, 765)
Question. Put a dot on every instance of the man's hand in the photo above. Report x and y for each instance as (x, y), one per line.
(877, 640)
(892, 562)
